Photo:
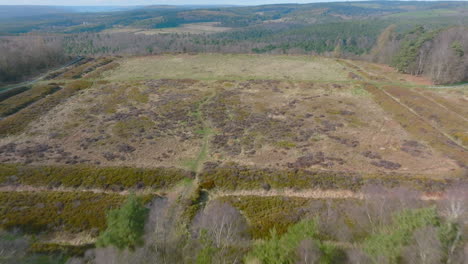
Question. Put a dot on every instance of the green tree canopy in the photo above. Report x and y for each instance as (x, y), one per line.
(125, 225)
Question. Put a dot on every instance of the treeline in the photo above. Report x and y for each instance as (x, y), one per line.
(25, 56)
(387, 226)
(438, 54)
(275, 38)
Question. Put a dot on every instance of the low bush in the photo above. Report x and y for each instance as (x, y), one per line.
(284, 249)
(267, 213)
(22, 100)
(59, 249)
(92, 177)
(389, 242)
(34, 212)
(12, 92)
(236, 177)
(15, 124)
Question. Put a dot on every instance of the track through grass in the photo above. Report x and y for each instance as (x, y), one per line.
(195, 165)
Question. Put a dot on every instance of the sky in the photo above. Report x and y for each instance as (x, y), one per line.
(151, 2)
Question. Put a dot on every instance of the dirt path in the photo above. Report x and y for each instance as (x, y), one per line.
(196, 164)
(29, 188)
(308, 194)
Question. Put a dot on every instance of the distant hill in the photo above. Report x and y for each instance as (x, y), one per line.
(15, 11)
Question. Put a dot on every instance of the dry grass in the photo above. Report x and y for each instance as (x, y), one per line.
(192, 28)
(418, 127)
(278, 119)
(230, 67)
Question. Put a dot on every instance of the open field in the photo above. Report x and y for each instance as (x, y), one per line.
(230, 67)
(241, 129)
(161, 111)
(190, 28)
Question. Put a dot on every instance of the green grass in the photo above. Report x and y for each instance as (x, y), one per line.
(195, 163)
(266, 213)
(359, 91)
(285, 144)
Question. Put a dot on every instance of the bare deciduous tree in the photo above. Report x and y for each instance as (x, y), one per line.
(426, 247)
(223, 223)
(308, 252)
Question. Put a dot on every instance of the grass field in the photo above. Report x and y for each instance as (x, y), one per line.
(230, 67)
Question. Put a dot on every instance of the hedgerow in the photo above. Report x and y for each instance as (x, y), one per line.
(91, 177)
(15, 124)
(236, 177)
(60, 249)
(35, 212)
(22, 100)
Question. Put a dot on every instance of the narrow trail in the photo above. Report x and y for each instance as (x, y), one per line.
(29, 188)
(307, 194)
(197, 163)
(213, 195)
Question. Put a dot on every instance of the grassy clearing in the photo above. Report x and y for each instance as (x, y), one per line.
(230, 67)
(92, 177)
(266, 213)
(57, 211)
(191, 28)
(16, 123)
(22, 100)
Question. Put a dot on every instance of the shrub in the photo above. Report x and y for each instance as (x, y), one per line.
(91, 176)
(57, 249)
(389, 242)
(24, 99)
(235, 177)
(15, 124)
(125, 226)
(283, 249)
(72, 212)
(267, 213)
